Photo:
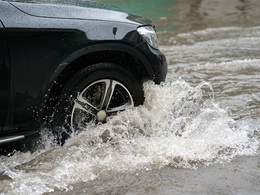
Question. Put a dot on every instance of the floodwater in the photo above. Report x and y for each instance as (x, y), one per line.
(197, 133)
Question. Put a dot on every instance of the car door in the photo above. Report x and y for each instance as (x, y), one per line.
(4, 76)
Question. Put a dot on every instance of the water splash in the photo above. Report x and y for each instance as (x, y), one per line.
(178, 125)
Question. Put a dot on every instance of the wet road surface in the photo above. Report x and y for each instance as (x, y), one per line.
(198, 133)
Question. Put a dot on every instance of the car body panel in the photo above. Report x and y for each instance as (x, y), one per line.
(42, 46)
(4, 76)
(80, 10)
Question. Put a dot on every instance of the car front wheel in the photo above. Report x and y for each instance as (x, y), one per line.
(94, 94)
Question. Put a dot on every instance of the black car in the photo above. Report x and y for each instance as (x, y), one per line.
(64, 64)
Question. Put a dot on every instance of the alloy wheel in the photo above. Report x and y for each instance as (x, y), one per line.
(98, 101)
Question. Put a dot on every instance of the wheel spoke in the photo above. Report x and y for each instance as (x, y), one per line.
(120, 108)
(81, 100)
(81, 106)
(106, 94)
(110, 93)
(125, 97)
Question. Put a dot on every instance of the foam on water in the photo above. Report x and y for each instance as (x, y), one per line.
(179, 125)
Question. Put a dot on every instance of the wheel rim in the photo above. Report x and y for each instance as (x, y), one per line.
(98, 101)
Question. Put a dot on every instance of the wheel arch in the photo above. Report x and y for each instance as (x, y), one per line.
(104, 52)
(120, 54)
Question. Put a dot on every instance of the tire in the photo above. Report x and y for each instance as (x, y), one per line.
(93, 94)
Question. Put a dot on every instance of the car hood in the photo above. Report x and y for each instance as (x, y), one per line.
(82, 9)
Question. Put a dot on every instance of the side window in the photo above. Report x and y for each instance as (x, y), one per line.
(4, 77)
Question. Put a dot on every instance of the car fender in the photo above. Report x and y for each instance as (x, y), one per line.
(98, 48)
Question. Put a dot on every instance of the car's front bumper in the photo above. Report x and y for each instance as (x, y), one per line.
(158, 66)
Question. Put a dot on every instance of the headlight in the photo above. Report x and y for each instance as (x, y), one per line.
(149, 35)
